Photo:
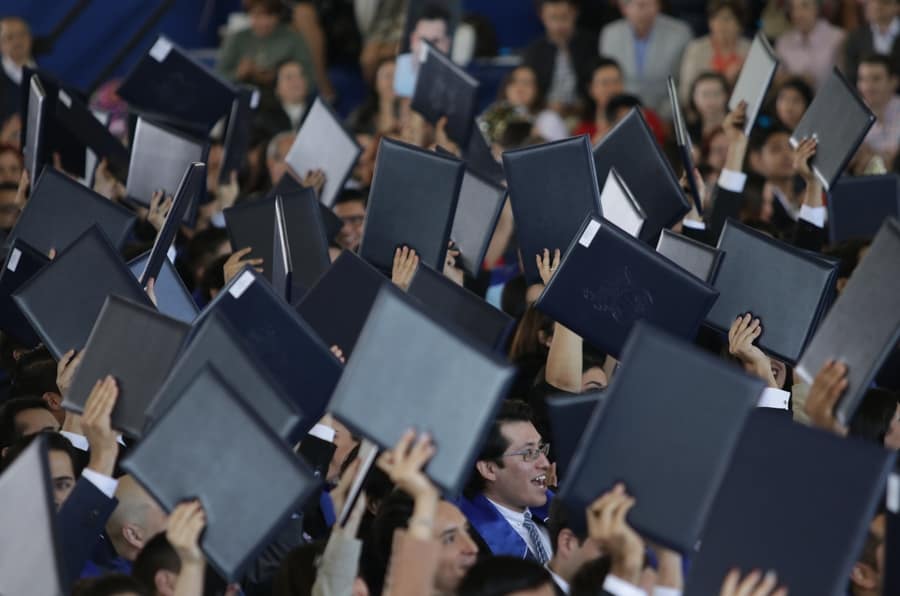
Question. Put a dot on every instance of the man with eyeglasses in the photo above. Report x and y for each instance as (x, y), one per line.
(506, 499)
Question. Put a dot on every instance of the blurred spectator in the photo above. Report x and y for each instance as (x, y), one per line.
(878, 86)
(15, 52)
(562, 58)
(619, 106)
(252, 55)
(433, 26)
(607, 82)
(791, 100)
(648, 46)
(879, 35)
(285, 110)
(11, 165)
(379, 112)
(520, 90)
(809, 49)
(330, 31)
(9, 206)
(381, 23)
(707, 105)
(722, 51)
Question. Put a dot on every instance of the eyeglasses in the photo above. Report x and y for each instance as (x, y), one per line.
(531, 453)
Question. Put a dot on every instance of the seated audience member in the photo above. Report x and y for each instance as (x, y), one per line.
(379, 112)
(350, 206)
(707, 106)
(15, 53)
(561, 59)
(433, 26)
(11, 164)
(722, 51)
(648, 46)
(204, 248)
(252, 55)
(713, 152)
(878, 86)
(810, 48)
(791, 100)
(606, 82)
(506, 498)
(113, 584)
(285, 111)
(878, 35)
(310, 20)
(520, 90)
(10, 206)
(530, 345)
(381, 25)
(63, 459)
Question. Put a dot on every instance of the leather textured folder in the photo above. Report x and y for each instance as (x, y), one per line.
(172, 296)
(552, 187)
(694, 257)
(444, 89)
(778, 461)
(238, 131)
(477, 212)
(608, 281)
(63, 300)
(569, 416)
(753, 82)
(21, 264)
(663, 380)
(785, 287)
(863, 327)
(440, 383)
(249, 484)
(137, 346)
(857, 206)
(412, 202)
(76, 117)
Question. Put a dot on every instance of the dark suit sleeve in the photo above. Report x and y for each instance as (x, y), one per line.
(81, 521)
(263, 569)
(726, 203)
(809, 236)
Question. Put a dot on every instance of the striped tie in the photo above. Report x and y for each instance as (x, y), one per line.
(534, 534)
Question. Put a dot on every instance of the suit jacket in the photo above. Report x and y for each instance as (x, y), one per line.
(10, 96)
(858, 44)
(81, 520)
(495, 533)
(663, 58)
(541, 56)
(271, 120)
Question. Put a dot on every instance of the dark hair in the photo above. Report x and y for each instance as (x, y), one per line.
(54, 441)
(213, 277)
(9, 433)
(35, 374)
(559, 520)
(435, 12)
(495, 444)
(760, 136)
(798, 85)
(156, 555)
(589, 576)
(109, 585)
(526, 341)
(713, 7)
(516, 133)
(538, 4)
(500, 576)
(351, 195)
(297, 572)
(393, 514)
(275, 7)
(847, 253)
(605, 62)
(9, 187)
(872, 420)
(284, 63)
(537, 103)
(590, 106)
(884, 61)
(693, 112)
(623, 100)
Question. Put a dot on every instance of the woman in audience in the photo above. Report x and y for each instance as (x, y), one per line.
(380, 112)
(722, 51)
(707, 107)
(520, 91)
(606, 82)
(793, 97)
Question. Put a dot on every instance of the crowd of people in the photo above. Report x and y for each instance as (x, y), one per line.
(506, 534)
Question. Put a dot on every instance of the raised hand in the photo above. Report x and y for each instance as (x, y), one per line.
(608, 527)
(734, 123)
(227, 194)
(339, 354)
(744, 331)
(183, 530)
(441, 138)
(755, 584)
(547, 266)
(22, 189)
(65, 370)
(151, 291)
(159, 209)
(451, 271)
(106, 184)
(405, 462)
(236, 262)
(315, 179)
(802, 154)
(827, 388)
(96, 421)
(406, 261)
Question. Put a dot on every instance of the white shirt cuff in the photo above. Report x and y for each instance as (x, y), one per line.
(733, 181)
(217, 220)
(619, 587)
(694, 224)
(774, 398)
(326, 433)
(104, 483)
(814, 215)
(666, 591)
(78, 441)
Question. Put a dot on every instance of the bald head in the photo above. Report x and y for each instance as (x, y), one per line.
(136, 519)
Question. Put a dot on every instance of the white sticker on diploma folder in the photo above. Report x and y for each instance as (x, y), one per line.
(240, 286)
(161, 49)
(14, 260)
(589, 232)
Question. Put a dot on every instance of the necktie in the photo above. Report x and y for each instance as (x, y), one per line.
(534, 535)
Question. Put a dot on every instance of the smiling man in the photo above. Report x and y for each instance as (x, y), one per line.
(506, 500)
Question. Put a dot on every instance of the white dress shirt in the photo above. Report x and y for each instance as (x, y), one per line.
(516, 519)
